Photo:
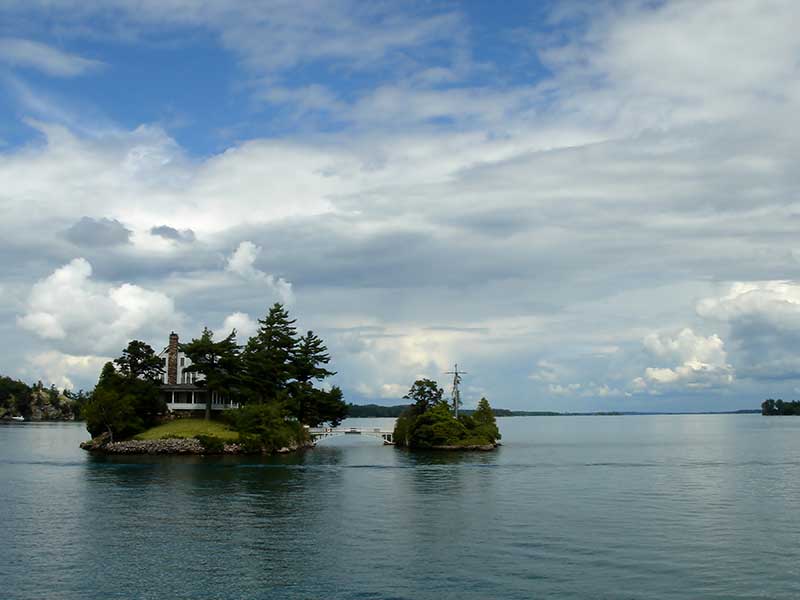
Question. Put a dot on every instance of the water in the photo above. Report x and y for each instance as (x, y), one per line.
(569, 507)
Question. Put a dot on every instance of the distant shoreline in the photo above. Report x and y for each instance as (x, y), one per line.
(374, 411)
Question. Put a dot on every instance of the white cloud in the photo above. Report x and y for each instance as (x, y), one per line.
(62, 369)
(85, 315)
(774, 301)
(27, 53)
(245, 326)
(701, 361)
(242, 263)
(763, 318)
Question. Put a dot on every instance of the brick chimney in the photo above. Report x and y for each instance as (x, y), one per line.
(172, 359)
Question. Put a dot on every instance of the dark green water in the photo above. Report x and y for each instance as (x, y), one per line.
(570, 507)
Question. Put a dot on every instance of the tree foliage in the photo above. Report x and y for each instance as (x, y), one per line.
(139, 361)
(772, 407)
(430, 423)
(122, 405)
(219, 362)
(425, 394)
(267, 360)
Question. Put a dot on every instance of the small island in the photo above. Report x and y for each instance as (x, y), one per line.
(215, 397)
(430, 423)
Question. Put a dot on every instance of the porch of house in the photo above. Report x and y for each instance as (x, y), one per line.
(191, 397)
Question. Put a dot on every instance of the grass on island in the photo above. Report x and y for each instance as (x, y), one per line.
(189, 428)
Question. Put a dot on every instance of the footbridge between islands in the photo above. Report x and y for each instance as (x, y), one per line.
(320, 433)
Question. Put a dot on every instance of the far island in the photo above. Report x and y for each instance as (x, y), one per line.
(430, 423)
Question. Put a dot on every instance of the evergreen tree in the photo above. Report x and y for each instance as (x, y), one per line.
(219, 362)
(485, 421)
(139, 361)
(268, 357)
(308, 404)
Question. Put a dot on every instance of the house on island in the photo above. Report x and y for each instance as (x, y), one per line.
(179, 387)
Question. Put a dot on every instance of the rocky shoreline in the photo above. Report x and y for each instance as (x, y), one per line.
(173, 446)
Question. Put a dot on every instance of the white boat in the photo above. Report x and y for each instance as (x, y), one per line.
(17, 418)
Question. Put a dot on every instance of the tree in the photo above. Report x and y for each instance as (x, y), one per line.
(425, 393)
(309, 358)
(267, 360)
(112, 406)
(110, 411)
(218, 361)
(139, 361)
(485, 422)
(309, 405)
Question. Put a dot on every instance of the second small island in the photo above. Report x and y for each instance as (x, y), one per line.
(430, 423)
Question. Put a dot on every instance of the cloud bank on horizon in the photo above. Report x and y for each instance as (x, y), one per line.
(589, 206)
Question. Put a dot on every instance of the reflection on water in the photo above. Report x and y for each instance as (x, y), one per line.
(569, 507)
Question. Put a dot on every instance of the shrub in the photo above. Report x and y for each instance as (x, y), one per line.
(269, 425)
(211, 444)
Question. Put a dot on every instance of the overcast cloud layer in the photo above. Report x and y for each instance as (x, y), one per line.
(587, 206)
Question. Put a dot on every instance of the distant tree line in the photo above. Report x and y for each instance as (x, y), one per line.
(377, 410)
(277, 377)
(772, 407)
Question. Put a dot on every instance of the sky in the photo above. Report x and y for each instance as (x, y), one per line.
(586, 205)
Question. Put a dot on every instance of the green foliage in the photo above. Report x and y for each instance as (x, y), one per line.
(268, 424)
(268, 357)
(122, 405)
(139, 361)
(250, 444)
(219, 362)
(15, 397)
(435, 426)
(282, 370)
(211, 444)
(111, 411)
(425, 393)
(485, 422)
(772, 407)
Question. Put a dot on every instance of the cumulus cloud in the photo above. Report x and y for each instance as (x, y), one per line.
(27, 53)
(62, 369)
(764, 322)
(701, 361)
(98, 232)
(84, 315)
(242, 263)
(241, 322)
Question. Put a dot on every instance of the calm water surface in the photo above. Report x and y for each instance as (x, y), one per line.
(570, 507)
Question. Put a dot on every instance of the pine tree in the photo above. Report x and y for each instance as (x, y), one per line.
(219, 362)
(485, 420)
(267, 359)
(308, 404)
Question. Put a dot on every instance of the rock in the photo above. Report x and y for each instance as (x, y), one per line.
(96, 443)
(166, 446)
